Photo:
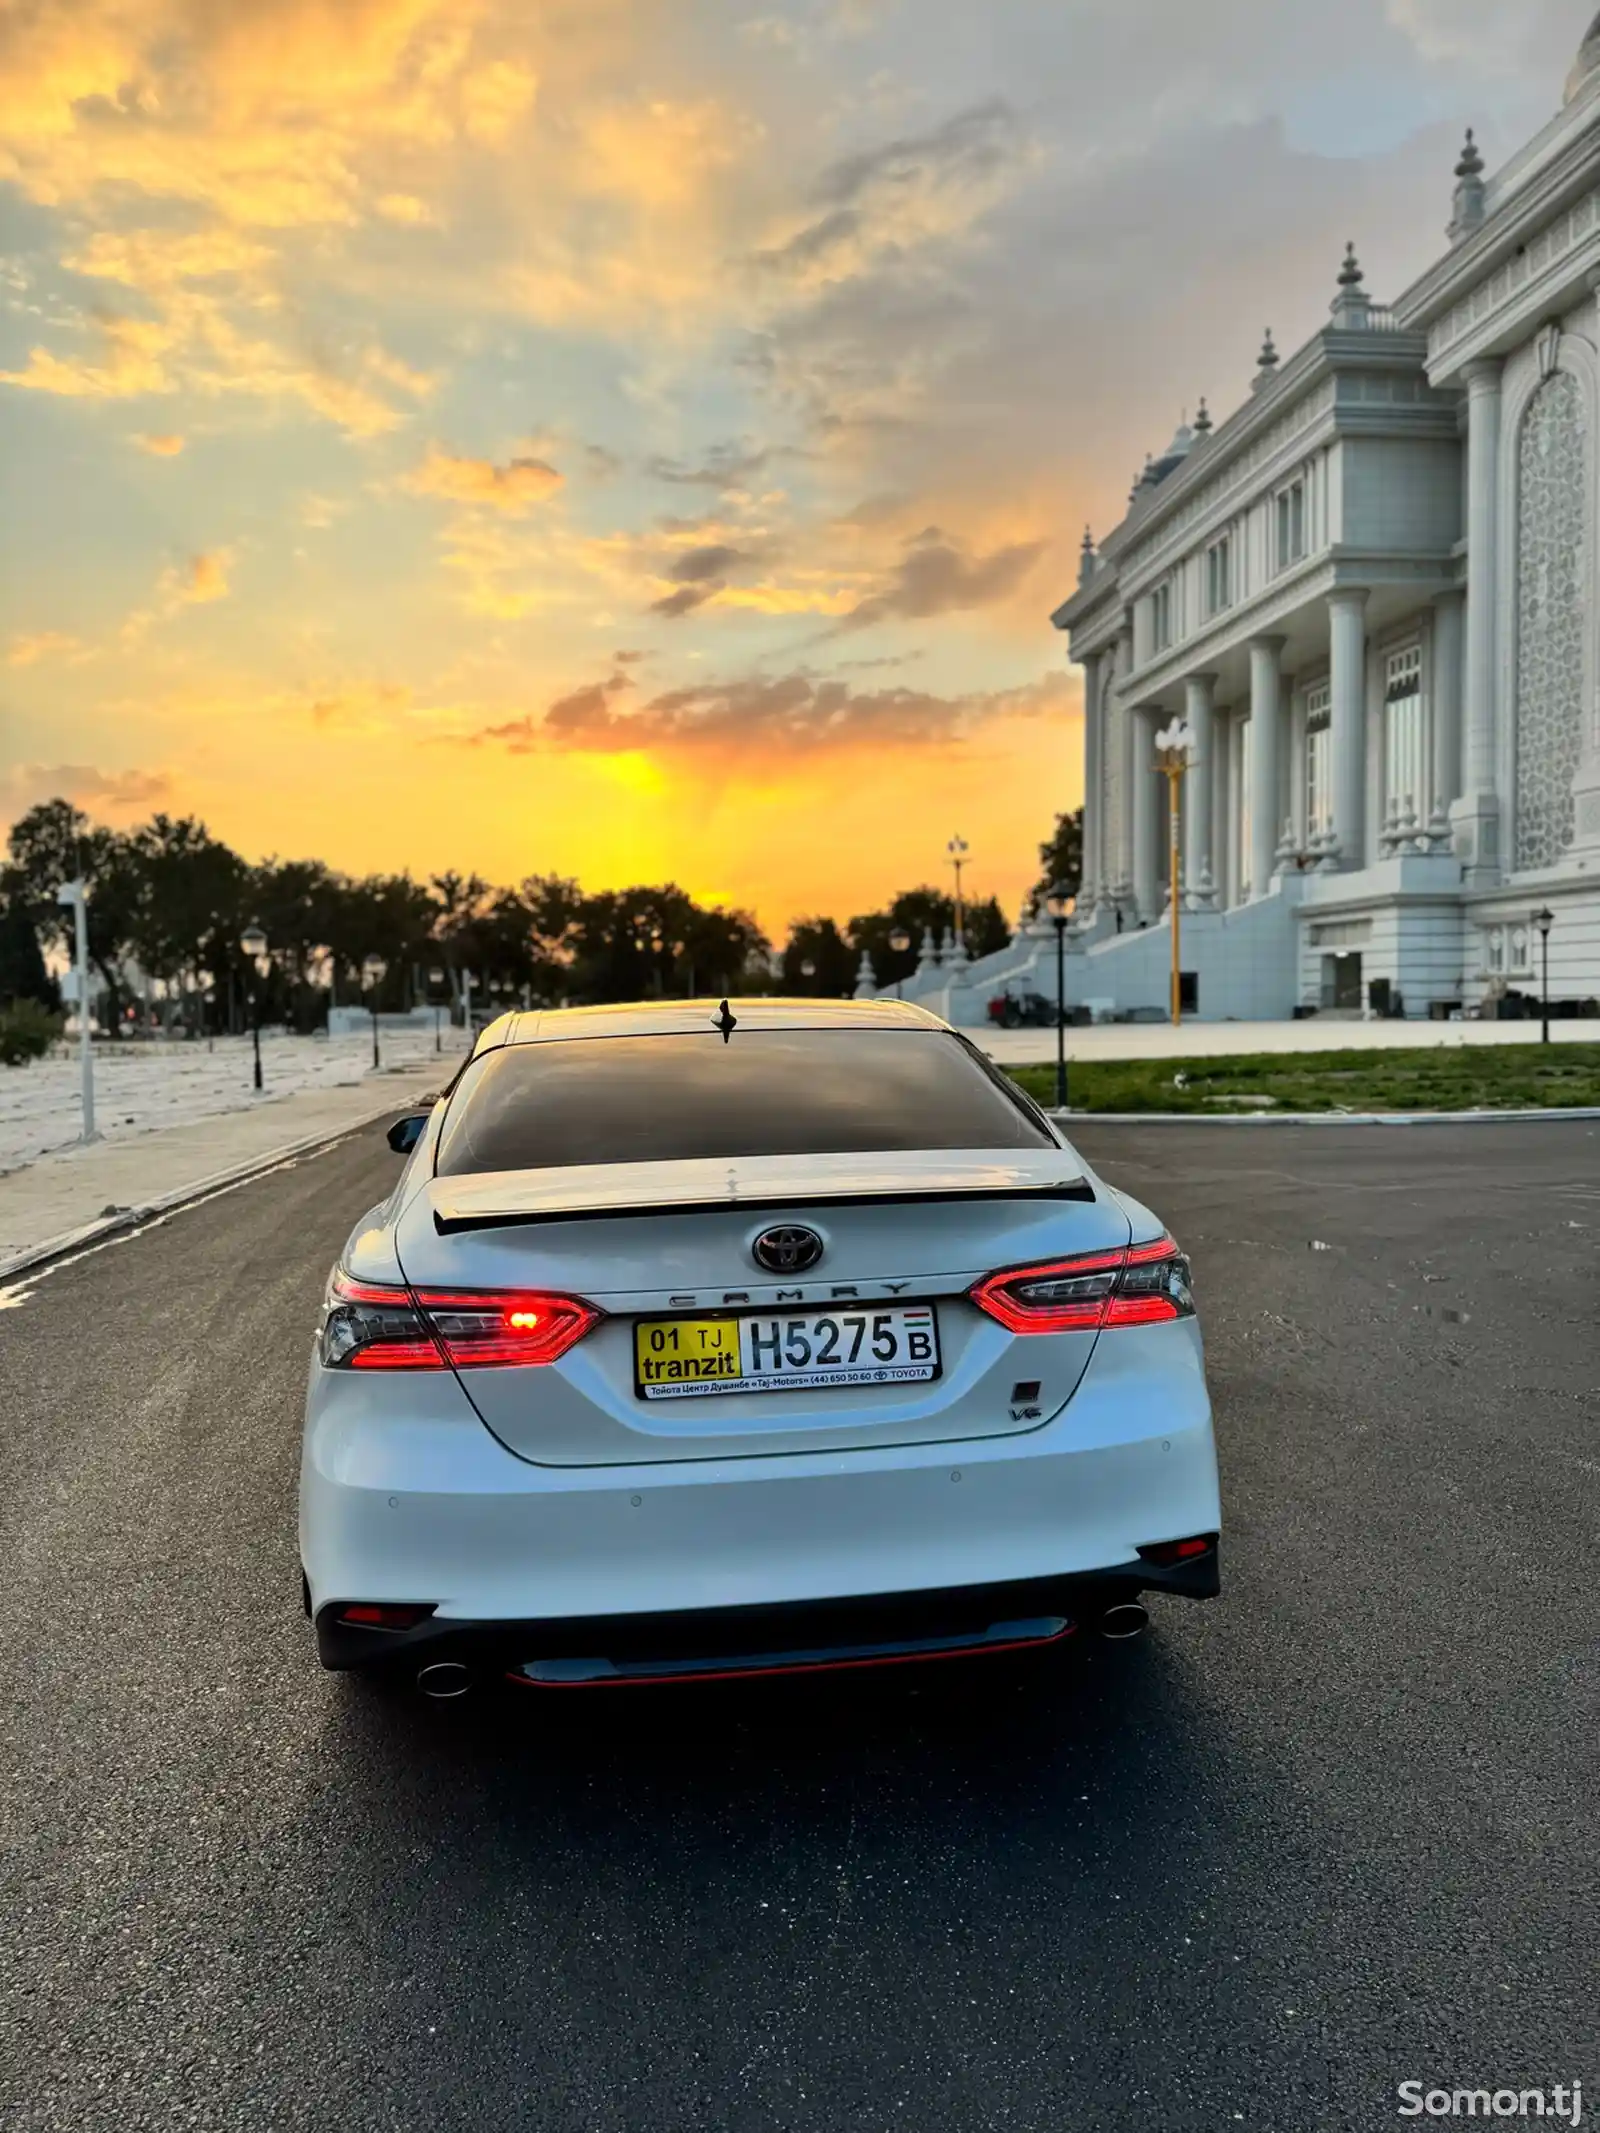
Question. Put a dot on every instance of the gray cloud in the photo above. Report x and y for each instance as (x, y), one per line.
(879, 203)
(698, 566)
(685, 600)
(724, 467)
(937, 576)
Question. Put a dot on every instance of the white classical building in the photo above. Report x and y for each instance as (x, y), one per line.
(1373, 594)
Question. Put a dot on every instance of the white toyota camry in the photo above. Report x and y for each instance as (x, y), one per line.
(702, 1340)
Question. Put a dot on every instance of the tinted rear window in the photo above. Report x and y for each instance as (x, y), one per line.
(769, 1092)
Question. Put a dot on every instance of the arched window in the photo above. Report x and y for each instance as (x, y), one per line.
(1552, 538)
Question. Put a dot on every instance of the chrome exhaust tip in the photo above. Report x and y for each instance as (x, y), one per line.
(1125, 1621)
(444, 1680)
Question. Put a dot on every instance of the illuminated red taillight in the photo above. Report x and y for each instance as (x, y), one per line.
(1143, 1285)
(495, 1331)
(370, 1326)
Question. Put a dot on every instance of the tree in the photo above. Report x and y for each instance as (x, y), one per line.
(1061, 856)
(188, 895)
(22, 972)
(55, 843)
(819, 943)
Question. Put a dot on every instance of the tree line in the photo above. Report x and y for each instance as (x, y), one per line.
(169, 905)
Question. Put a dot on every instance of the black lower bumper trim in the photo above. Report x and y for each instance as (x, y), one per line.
(702, 1643)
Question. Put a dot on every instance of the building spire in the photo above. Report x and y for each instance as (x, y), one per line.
(1352, 307)
(1086, 557)
(1203, 424)
(1468, 205)
(1266, 362)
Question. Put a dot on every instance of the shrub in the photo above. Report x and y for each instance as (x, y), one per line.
(27, 1031)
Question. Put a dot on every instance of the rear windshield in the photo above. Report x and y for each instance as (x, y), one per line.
(768, 1092)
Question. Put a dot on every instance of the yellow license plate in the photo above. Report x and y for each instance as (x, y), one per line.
(685, 1351)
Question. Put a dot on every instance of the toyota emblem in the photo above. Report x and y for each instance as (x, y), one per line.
(787, 1251)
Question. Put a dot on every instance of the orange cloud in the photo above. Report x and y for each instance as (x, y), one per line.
(768, 718)
(161, 444)
(511, 488)
(203, 578)
(27, 648)
(113, 792)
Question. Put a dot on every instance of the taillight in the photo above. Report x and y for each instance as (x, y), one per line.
(367, 1326)
(501, 1330)
(1144, 1285)
(371, 1327)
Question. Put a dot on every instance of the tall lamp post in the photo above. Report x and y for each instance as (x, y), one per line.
(958, 849)
(253, 943)
(75, 894)
(900, 942)
(1174, 754)
(1544, 918)
(373, 971)
(1061, 903)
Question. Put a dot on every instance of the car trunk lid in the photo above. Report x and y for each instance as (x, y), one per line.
(672, 1243)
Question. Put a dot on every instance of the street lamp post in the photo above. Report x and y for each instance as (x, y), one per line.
(1544, 918)
(958, 849)
(435, 980)
(75, 894)
(254, 944)
(900, 942)
(1174, 753)
(1061, 903)
(373, 970)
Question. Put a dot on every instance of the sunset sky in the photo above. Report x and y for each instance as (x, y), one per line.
(646, 438)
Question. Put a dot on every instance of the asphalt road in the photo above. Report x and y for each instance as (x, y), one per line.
(1335, 1832)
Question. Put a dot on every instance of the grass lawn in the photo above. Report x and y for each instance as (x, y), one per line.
(1456, 1077)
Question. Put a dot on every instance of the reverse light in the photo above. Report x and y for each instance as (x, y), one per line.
(1142, 1285)
(368, 1326)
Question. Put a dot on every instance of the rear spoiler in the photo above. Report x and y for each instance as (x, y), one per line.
(450, 1222)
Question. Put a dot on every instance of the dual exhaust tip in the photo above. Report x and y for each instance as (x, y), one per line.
(445, 1680)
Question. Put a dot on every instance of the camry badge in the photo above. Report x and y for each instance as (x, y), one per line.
(787, 1251)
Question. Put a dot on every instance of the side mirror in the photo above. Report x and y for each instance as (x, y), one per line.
(405, 1133)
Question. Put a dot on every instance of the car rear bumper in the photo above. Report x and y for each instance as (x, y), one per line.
(723, 1643)
(414, 1502)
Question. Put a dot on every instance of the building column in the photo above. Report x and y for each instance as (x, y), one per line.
(1225, 738)
(1475, 816)
(1146, 814)
(1449, 623)
(1266, 759)
(1094, 671)
(1299, 770)
(1198, 784)
(1347, 692)
(1129, 738)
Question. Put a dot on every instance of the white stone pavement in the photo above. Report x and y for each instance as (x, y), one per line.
(142, 1087)
(174, 1136)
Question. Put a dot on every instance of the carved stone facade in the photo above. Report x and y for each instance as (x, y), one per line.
(1554, 537)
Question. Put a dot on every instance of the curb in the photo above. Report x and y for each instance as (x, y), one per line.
(68, 1242)
(1318, 1118)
